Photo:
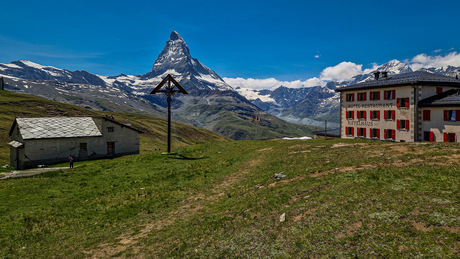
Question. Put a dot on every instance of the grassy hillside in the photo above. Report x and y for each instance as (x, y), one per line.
(155, 130)
(340, 198)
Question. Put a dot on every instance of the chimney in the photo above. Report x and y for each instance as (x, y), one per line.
(376, 75)
(385, 74)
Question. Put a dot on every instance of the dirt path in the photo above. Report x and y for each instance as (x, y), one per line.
(30, 172)
(191, 206)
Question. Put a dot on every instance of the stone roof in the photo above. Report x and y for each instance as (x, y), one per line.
(447, 98)
(329, 133)
(412, 78)
(57, 127)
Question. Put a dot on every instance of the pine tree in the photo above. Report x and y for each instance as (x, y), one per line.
(2, 83)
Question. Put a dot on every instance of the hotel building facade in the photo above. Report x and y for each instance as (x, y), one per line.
(409, 107)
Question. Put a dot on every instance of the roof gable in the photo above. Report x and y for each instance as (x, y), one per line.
(447, 98)
(418, 77)
(57, 127)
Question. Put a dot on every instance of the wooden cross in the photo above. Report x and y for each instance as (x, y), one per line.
(169, 91)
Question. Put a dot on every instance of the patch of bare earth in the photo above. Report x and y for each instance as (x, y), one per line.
(192, 205)
(350, 229)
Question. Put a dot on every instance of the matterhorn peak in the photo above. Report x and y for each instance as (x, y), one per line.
(175, 36)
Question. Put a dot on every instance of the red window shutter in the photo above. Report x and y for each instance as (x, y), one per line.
(393, 134)
(431, 136)
(397, 124)
(378, 115)
(378, 133)
(407, 102)
(384, 133)
(378, 95)
(346, 115)
(393, 93)
(352, 114)
(397, 102)
(364, 132)
(393, 115)
(384, 114)
(426, 115)
(352, 97)
(457, 115)
(364, 114)
(445, 115)
(365, 96)
(346, 130)
(452, 137)
(371, 114)
(445, 136)
(407, 124)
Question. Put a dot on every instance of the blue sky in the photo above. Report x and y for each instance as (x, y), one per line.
(285, 40)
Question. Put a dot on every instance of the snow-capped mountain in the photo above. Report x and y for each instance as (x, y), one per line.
(211, 103)
(175, 59)
(312, 106)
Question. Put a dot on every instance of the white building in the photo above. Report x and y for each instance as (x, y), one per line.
(416, 106)
(51, 140)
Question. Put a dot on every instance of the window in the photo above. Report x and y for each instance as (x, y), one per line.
(374, 96)
(350, 97)
(438, 90)
(109, 129)
(402, 124)
(451, 115)
(362, 96)
(361, 114)
(389, 134)
(375, 133)
(350, 115)
(349, 131)
(426, 115)
(389, 95)
(389, 115)
(375, 115)
(84, 146)
(449, 137)
(362, 132)
(402, 102)
(428, 136)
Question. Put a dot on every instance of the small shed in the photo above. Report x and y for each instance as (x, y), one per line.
(330, 133)
(51, 140)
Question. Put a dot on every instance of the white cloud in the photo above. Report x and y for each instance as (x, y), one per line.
(345, 71)
(316, 56)
(270, 83)
(425, 61)
(341, 72)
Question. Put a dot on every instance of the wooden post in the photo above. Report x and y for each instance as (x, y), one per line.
(169, 92)
(325, 129)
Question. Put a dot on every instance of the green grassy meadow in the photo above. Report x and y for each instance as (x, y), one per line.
(14, 105)
(341, 198)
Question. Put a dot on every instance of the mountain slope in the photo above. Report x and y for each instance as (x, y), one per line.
(14, 105)
(211, 104)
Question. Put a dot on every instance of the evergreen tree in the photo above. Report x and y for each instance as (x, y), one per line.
(2, 83)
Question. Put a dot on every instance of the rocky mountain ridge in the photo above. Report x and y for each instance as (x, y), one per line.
(211, 104)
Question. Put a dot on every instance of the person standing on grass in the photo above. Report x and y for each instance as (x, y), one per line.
(71, 160)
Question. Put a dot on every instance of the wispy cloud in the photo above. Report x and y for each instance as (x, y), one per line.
(345, 71)
(426, 61)
(270, 83)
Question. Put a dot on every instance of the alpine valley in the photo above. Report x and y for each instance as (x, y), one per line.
(211, 103)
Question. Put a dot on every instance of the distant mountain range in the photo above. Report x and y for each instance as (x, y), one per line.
(212, 103)
(314, 105)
